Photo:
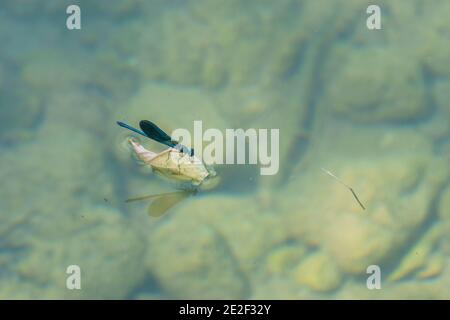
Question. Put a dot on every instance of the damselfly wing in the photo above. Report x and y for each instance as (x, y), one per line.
(163, 202)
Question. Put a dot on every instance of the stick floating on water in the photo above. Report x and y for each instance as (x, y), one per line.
(345, 185)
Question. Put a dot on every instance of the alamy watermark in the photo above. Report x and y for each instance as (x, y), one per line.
(373, 22)
(73, 281)
(237, 146)
(374, 280)
(73, 21)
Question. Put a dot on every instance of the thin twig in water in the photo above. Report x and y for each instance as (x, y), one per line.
(345, 185)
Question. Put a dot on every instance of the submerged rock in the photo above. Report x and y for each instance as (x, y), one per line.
(378, 85)
(319, 272)
(282, 259)
(109, 254)
(250, 230)
(251, 64)
(51, 216)
(444, 205)
(419, 257)
(20, 113)
(397, 188)
(434, 267)
(355, 242)
(435, 48)
(193, 261)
